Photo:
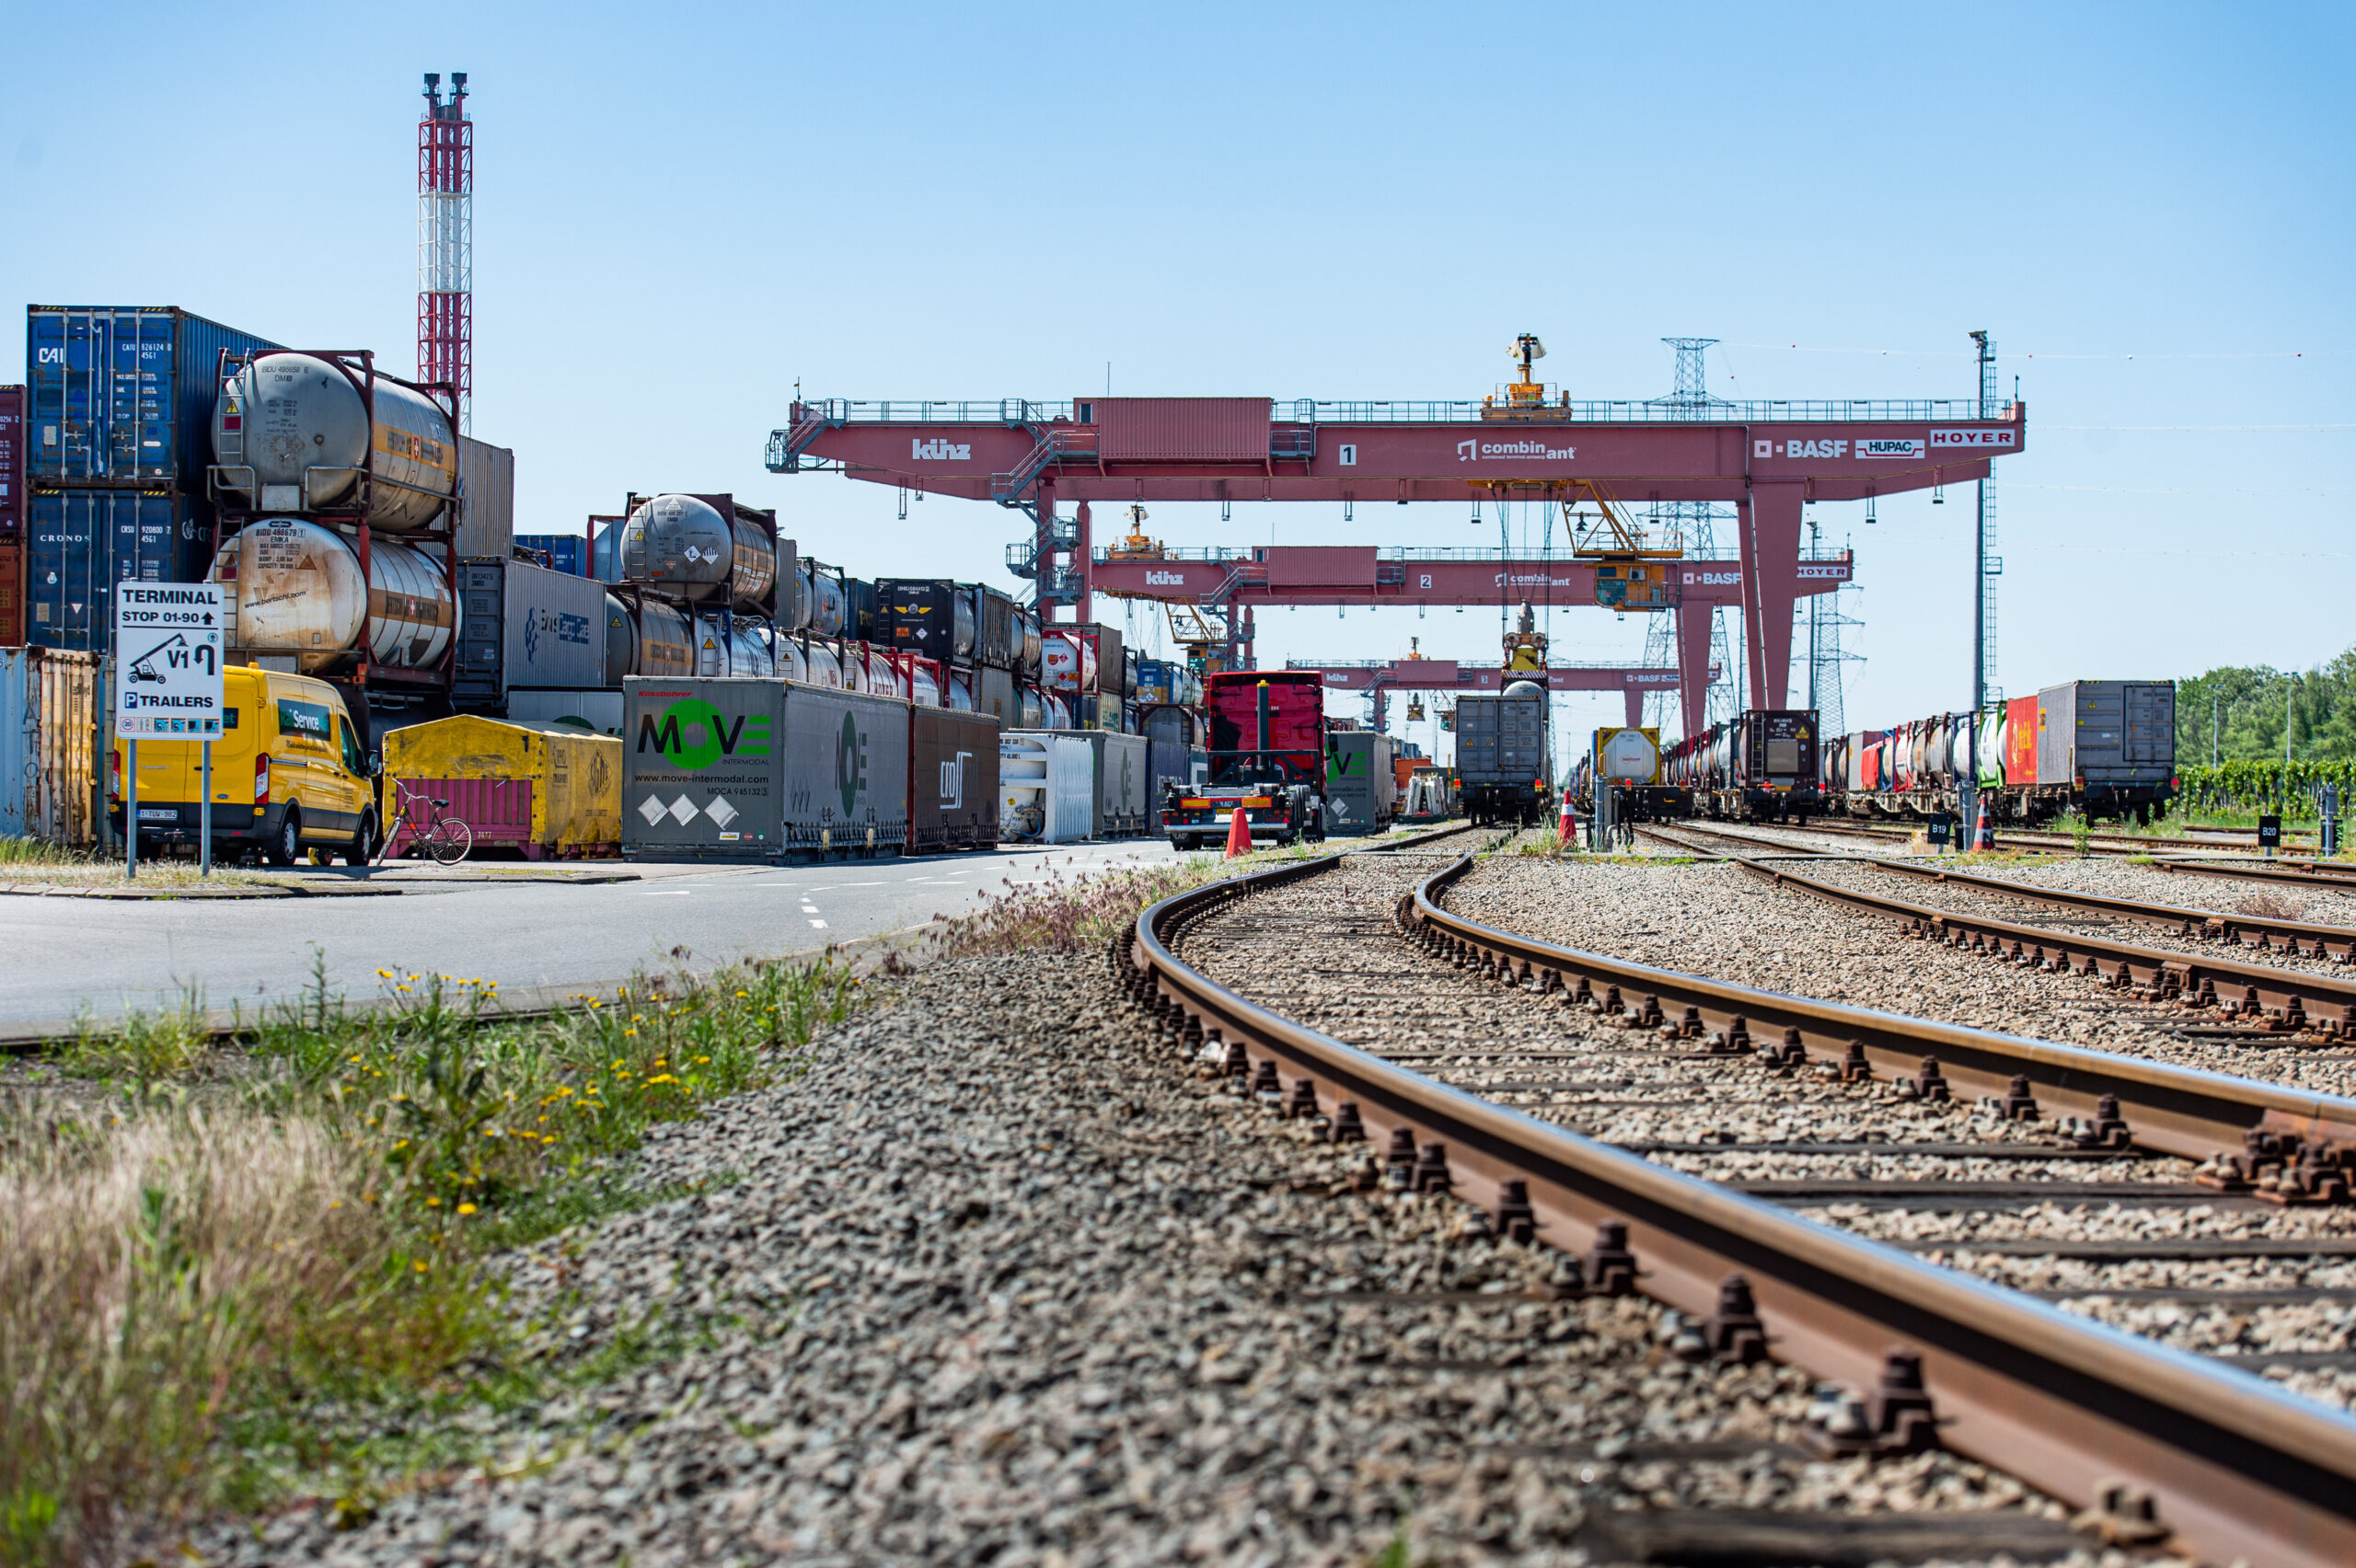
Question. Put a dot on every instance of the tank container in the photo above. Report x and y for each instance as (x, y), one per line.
(1067, 663)
(681, 544)
(294, 433)
(791, 663)
(1034, 707)
(830, 605)
(1046, 787)
(1028, 645)
(296, 588)
(960, 694)
(825, 667)
(928, 617)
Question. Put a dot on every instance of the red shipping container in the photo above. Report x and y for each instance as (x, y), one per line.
(2021, 718)
(12, 593)
(1181, 430)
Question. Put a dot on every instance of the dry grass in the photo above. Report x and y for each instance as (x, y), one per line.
(2268, 904)
(1071, 913)
(155, 1267)
(37, 862)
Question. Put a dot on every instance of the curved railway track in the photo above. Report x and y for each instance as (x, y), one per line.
(1732, 1152)
(2037, 841)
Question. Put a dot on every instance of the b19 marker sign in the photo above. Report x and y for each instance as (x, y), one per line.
(167, 645)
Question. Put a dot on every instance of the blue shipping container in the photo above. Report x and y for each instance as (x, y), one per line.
(83, 542)
(123, 395)
(567, 550)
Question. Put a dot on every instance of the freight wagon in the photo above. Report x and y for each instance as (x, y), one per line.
(2103, 748)
(1505, 762)
(1267, 757)
(1765, 765)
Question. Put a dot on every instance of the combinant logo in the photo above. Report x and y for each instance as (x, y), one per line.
(691, 735)
(1468, 450)
(938, 451)
(850, 763)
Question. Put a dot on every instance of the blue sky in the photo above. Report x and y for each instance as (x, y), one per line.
(682, 210)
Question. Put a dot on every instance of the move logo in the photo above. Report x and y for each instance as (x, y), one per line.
(691, 735)
(850, 763)
(939, 451)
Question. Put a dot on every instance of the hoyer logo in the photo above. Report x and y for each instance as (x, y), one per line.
(938, 451)
(1165, 580)
(1978, 440)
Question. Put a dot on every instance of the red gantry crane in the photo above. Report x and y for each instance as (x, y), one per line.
(1529, 444)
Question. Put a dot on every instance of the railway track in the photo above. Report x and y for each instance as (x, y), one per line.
(2272, 996)
(1732, 1152)
(2046, 841)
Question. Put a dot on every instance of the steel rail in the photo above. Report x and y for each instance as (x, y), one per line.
(2046, 838)
(2281, 997)
(2318, 939)
(2239, 1468)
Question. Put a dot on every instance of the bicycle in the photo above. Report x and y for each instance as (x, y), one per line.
(444, 839)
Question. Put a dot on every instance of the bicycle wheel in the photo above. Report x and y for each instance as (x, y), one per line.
(448, 841)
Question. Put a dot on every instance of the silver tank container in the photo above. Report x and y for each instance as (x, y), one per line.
(654, 641)
(792, 589)
(621, 643)
(791, 664)
(296, 587)
(683, 545)
(828, 608)
(292, 431)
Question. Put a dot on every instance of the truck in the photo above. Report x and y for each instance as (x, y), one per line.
(1268, 759)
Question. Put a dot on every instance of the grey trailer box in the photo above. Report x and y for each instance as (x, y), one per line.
(1123, 784)
(752, 768)
(1166, 763)
(2106, 732)
(521, 625)
(486, 499)
(594, 709)
(1500, 740)
(1358, 783)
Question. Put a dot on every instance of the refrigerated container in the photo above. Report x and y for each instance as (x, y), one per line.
(122, 396)
(734, 768)
(521, 625)
(952, 780)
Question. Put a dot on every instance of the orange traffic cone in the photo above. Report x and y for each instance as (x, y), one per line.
(1238, 836)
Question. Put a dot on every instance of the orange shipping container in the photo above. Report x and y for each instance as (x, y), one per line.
(2020, 741)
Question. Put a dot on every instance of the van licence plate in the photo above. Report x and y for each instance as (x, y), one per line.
(159, 813)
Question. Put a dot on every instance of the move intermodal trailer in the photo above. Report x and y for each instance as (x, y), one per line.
(756, 768)
(1361, 789)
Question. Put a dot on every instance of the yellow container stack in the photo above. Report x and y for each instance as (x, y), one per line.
(545, 790)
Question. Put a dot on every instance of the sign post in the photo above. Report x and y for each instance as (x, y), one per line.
(2269, 834)
(167, 638)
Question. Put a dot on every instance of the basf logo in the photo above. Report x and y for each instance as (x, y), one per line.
(937, 451)
(1714, 579)
(1977, 440)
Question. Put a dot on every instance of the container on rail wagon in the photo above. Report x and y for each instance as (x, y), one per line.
(543, 789)
(123, 395)
(646, 638)
(1030, 646)
(739, 768)
(1067, 663)
(296, 433)
(952, 780)
(521, 625)
(957, 692)
(739, 646)
(998, 643)
(296, 592)
(2107, 736)
(995, 694)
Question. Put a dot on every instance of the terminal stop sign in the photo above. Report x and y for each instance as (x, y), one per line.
(1627, 756)
(167, 645)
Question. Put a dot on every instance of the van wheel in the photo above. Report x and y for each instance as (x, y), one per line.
(288, 845)
(364, 842)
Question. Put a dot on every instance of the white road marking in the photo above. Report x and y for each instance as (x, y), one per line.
(665, 891)
(821, 924)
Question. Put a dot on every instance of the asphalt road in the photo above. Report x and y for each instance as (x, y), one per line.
(104, 957)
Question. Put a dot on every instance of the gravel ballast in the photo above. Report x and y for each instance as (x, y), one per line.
(1002, 1279)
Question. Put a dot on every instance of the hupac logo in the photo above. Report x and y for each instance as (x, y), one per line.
(850, 763)
(691, 735)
